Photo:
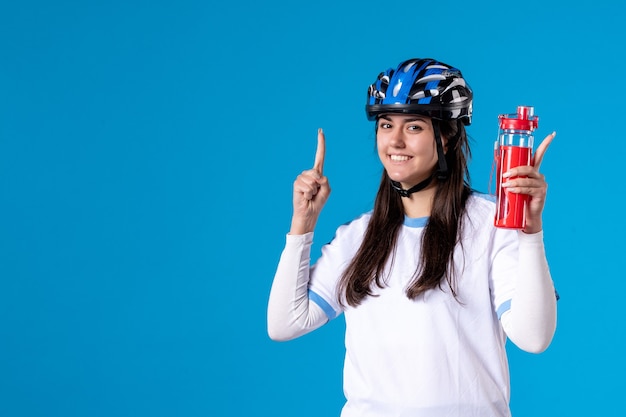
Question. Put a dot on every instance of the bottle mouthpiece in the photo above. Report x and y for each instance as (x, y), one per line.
(524, 119)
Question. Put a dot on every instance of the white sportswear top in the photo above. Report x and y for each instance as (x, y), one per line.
(433, 356)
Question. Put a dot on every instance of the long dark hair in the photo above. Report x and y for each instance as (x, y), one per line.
(440, 236)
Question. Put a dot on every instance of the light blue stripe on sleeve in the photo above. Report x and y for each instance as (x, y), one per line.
(504, 307)
(330, 312)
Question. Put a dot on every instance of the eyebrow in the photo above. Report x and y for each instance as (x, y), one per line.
(416, 118)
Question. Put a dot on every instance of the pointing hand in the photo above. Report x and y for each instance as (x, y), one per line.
(310, 192)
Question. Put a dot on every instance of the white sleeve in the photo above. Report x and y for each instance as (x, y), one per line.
(290, 313)
(530, 323)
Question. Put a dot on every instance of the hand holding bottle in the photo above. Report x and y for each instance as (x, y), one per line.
(517, 177)
(529, 181)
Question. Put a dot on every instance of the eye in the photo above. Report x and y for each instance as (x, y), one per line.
(414, 128)
(384, 125)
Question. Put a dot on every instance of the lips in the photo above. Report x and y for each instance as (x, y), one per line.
(399, 158)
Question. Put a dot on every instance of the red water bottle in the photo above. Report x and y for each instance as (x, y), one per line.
(513, 148)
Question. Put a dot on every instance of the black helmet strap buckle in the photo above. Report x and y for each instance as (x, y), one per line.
(418, 187)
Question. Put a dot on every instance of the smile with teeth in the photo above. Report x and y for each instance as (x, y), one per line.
(399, 158)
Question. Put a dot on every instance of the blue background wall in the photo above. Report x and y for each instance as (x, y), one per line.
(147, 153)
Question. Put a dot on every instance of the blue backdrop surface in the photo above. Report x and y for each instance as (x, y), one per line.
(147, 153)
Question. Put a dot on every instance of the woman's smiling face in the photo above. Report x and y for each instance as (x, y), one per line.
(406, 147)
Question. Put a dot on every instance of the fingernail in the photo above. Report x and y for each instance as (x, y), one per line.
(506, 175)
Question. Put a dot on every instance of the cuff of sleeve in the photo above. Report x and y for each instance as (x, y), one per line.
(530, 238)
(299, 239)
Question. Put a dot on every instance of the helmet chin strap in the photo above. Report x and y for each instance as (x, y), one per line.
(441, 172)
(418, 187)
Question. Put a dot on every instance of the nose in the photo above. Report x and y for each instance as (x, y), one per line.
(396, 138)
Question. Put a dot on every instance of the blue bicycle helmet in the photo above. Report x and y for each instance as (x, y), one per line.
(421, 86)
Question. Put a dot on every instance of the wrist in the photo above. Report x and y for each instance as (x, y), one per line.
(301, 227)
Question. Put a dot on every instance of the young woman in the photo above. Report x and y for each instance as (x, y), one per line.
(429, 288)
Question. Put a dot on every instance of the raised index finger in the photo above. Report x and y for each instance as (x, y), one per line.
(321, 152)
(541, 150)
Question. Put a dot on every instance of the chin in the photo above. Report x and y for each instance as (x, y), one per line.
(400, 177)
(406, 182)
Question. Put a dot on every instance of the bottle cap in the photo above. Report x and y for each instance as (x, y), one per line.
(524, 119)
